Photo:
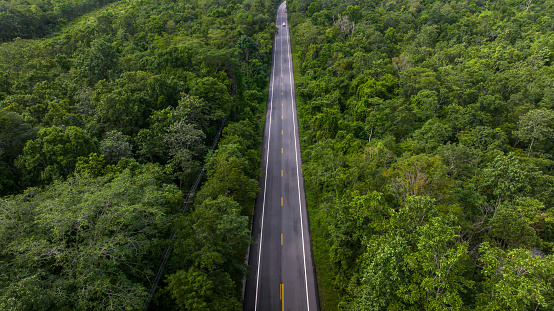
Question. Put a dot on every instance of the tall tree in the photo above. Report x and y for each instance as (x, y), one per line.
(535, 126)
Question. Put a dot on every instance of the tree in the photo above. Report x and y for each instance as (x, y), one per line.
(196, 110)
(248, 47)
(14, 134)
(505, 179)
(116, 146)
(416, 176)
(123, 105)
(412, 260)
(347, 231)
(515, 225)
(326, 124)
(518, 279)
(382, 273)
(462, 161)
(176, 136)
(305, 34)
(215, 94)
(413, 80)
(483, 138)
(94, 165)
(197, 289)
(535, 126)
(354, 12)
(98, 61)
(246, 137)
(210, 271)
(185, 146)
(437, 268)
(425, 104)
(54, 152)
(430, 136)
(227, 172)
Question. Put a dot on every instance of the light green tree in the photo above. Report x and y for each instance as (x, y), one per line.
(116, 146)
(437, 268)
(518, 279)
(86, 243)
(535, 126)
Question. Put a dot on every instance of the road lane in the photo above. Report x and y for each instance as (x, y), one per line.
(282, 271)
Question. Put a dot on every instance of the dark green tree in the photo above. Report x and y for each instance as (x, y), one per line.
(211, 270)
(54, 152)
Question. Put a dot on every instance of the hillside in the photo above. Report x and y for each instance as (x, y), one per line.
(34, 19)
(426, 130)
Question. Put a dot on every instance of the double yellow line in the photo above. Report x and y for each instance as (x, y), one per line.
(282, 295)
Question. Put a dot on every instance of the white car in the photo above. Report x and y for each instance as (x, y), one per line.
(283, 24)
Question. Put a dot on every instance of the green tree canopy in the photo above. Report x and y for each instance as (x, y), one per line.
(214, 270)
(54, 152)
(86, 243)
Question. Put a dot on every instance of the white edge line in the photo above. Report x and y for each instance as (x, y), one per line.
(265, 185)
(297, 168)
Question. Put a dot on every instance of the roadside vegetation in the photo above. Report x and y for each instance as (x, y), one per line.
(427, 139)
(104, 127)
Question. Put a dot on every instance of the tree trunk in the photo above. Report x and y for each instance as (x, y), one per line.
(371, 132)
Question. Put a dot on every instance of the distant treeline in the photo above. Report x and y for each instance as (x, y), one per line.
(37, 18)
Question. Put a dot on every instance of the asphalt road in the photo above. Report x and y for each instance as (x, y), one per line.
(281, 262)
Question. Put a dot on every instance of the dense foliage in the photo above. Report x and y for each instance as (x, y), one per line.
(104, 126)
(86, 243)
(426, 129)
(36, 18)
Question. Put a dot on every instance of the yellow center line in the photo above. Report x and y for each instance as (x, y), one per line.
(283, 297)
(282, 286)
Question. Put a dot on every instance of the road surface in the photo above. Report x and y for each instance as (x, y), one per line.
(281, 262)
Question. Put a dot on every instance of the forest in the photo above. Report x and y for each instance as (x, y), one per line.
(110, 111)
(427, 138)
(426, 129)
